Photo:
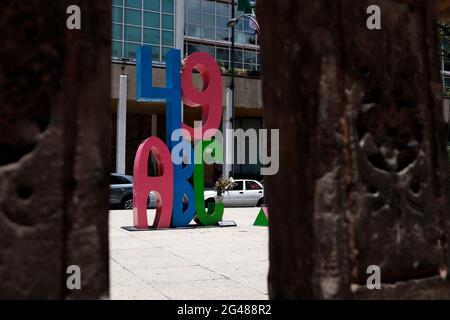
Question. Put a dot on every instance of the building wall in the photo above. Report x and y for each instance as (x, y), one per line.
(248, 91)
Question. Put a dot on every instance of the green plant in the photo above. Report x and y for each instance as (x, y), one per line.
(223, 185)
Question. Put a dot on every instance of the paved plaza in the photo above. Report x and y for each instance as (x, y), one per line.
(191, 263)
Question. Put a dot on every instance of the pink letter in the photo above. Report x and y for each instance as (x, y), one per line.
(210, 98)
(143, 184)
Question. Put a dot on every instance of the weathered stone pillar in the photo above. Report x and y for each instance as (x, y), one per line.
(362, 149)
(54, 148)
(442, 9)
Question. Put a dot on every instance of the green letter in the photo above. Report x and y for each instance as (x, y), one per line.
(214, 213)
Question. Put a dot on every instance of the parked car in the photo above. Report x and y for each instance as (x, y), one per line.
(246, 193)
(121, 192)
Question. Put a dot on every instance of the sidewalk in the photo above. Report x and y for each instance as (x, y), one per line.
(202, 263)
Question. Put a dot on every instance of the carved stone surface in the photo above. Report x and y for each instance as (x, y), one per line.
(362, 150)
(54, 158)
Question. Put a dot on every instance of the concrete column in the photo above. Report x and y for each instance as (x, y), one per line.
(228, 135)
(179, 25)
(121, 126)
(154, 125)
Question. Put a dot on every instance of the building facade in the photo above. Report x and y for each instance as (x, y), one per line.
(190, 26)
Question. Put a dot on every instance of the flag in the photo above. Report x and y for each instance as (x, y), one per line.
(244, 5)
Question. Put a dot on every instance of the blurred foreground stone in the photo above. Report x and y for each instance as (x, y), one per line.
(362, 150)
(54, 136)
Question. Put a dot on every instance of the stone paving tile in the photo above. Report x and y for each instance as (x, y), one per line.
(200, 263)
(127, 286)
(222, 289)
(176, 274)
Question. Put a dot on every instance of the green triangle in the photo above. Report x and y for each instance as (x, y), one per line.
(261, 219)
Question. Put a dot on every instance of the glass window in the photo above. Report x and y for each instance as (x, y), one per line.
(249, 38)
(117, 14)
(252, 185)
(223, 9)
(133, 34)
(167, 38)
(250, 57)
(194, 30)
(249, 66)
(239, 186)
(191, 48)
(164, 53)
(156, 56)
(132, 16)
(247, 25)
(167, 22)
(133, 3)
(208, 33)
(117, 49)
(151, 19)
(208, 6)
(239, 23)
(239, 37)
(194, 5)
(209, 49)
(446, 65)
(194, 17)
(247, 60)
(168, 6)
(208, 20)
(117, 31)
(237, 55)
(221, 22)
(447, 82)
(130, 50)
(223, 54)
(149, 22)
(222, 34)
(151, 36)
(114, 180)
(118, 180)
(151, 5)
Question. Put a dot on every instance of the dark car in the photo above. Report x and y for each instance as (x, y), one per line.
(121, 192)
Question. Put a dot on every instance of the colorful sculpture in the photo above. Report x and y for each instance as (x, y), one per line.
(262, 219)
(143, 184)
(173, 184)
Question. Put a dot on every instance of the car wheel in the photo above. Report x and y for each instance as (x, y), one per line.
(260, 202)
(128, 204)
